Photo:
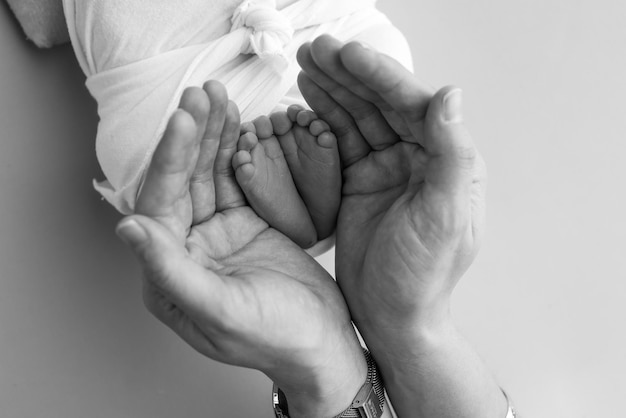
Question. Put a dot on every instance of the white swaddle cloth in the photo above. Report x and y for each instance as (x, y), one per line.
(140, 55)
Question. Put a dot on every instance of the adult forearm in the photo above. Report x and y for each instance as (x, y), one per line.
(435, 373)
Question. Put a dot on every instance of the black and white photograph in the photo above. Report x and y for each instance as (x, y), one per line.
(312, 209)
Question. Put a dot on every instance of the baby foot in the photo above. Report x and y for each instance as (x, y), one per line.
(311, 152)
(263, 175)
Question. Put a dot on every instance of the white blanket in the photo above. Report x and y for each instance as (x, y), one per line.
(140, 55)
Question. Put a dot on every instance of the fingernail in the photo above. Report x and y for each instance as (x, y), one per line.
(131, 232)
(365, 46)
(361, 44)
(453, 106)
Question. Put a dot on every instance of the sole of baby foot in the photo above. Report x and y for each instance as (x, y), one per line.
(311, 152)
(263, 174)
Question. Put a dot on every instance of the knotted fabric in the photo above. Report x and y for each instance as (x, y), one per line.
(269, 29)
(138, 59)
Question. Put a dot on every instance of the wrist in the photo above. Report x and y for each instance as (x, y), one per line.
(327, 388)
(439, 367)
(369, 401)
(418, 330)
(319, 403)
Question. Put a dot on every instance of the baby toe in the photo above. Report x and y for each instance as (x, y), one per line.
(263, 126)
(318, 126)
(281, 123)
(305, 117)
(327, 140)
(247, 141)
(293, 110)
(247, 127)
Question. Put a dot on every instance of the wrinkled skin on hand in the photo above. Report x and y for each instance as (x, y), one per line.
(236, 290)
(412, 211)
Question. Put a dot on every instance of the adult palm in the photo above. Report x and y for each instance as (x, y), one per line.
(412, 210)
(236, 290)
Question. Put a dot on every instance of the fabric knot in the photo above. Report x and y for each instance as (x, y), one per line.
(270, 31)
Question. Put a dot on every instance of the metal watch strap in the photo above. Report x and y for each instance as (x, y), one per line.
(280, 403)
(368, 402)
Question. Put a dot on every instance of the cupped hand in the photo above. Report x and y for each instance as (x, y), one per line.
(236, 290)
(412, 210)
(409, 225)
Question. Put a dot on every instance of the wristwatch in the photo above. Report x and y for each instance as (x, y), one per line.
(368, 402)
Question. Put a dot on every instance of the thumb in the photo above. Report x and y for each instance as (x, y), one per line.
(151, 243)
(451, 154)
(167, 265)
(447, 143)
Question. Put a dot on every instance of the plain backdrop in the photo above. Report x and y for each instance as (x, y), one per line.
(544, 85)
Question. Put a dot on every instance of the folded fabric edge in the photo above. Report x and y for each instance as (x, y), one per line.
(118, 199)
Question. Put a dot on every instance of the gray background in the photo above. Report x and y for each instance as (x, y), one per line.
(544, 303)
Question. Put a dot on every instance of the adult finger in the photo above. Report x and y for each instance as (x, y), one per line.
(321, 61)
(352, 145)
(452, 157)
(168, 267)
(202, 185)
(228, 194)
(167, 177)
(397, 86)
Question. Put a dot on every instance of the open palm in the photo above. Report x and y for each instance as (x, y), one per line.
(396, 239)
(233, 288)
(413, 185)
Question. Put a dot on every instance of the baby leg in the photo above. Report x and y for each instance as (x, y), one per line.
(263, 175)
(311, 152)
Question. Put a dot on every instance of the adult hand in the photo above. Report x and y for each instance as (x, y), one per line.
(410, 222)
(236, 290)
(412, 211)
